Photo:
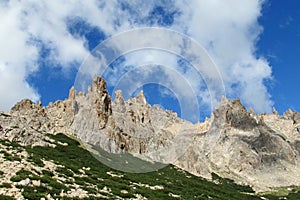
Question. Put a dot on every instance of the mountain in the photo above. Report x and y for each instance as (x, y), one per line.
(224, 157)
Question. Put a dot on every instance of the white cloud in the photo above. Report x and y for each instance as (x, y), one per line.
(17, 59)
(22, 22)
(228, 31)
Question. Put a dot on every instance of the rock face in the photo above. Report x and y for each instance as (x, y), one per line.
(25, 119)
(258, 150)
(132, 126)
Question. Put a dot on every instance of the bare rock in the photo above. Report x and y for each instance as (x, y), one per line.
(101, 100)
(275, 112)
(296, 118)
(72, 94)
(234, 143)
(234, 114)
(119, 103)
(24, 182)
(238, 117)
(288, 114)
(246, 147)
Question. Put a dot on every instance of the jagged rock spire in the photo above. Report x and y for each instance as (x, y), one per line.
(141, 98)
(98, 84)
(236, 143)
(101, 100)
(233, 113)
(72, 93)
(119, 102)
(275, 112)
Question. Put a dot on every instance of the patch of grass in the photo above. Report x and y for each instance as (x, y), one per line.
(3, 142)
(16, 179)
(64, 172)
(47, 173)
(15, 145)
(80, 181)
(5, 185)
(125, 162)
(22, 175)
(36, 159)
(48, 186)
(10, 144)
(74, 158)
(35, 192)
(4, 197)
(11, 157)
(283, 192)
(231, 184)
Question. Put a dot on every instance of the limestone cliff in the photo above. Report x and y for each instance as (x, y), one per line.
(261, 150)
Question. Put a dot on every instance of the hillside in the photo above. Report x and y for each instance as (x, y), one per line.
(67, 171)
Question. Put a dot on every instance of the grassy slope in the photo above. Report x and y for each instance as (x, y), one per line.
(74, 158)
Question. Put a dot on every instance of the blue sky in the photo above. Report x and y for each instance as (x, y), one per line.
(255, 45)
(280, 44)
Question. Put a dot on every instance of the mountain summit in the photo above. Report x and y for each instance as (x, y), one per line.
(260, 150)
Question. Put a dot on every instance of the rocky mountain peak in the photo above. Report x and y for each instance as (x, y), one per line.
(288, 114)
(291, 115)
(100, 100)
(25, 104)
(233, 114)
(98, 84)
(296, 118)
(119, 103)
(234, 143)
(238, 117)
(72, 94)
(141, 98)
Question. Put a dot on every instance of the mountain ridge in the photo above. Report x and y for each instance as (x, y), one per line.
(260, 150)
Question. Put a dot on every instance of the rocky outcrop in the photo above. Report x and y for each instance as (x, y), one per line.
(122, 126)
(238, 117)
(247, 147)
(24, 124)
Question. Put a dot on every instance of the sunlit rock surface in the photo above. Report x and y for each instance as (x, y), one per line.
(261, 150)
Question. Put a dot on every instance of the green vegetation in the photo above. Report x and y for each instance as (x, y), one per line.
(73, 162)
(5, 185)
(10, 157)
(125, 162)
(35, 192)
(23, 174)
(230, 184)
(12, 144)
(4, 197)
(47, 173)
(174, 181)
(290, 193)
(36, 159)
(64, 171)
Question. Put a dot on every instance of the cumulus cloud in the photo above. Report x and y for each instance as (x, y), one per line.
(227, 30)
(25, 27)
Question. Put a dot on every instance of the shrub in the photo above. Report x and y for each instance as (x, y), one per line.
(4, 197)
(47, 173)
(5, 185)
